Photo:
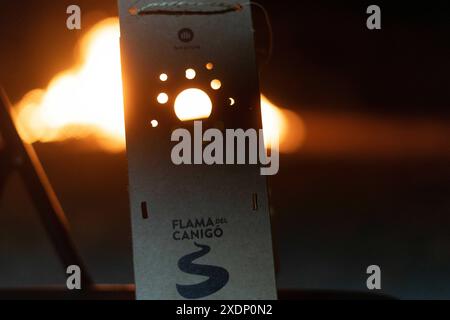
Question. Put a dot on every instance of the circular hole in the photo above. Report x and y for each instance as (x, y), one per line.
(190, 74)
(216, 84)
(163, 98)
(232, 101)
(154, 123)
(163, 77)
(193, 104)
(209, 66)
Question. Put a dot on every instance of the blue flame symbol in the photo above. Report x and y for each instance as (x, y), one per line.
(217, 276)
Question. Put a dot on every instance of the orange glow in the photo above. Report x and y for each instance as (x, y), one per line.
(83, 101)
(285, 124)
(87, 101)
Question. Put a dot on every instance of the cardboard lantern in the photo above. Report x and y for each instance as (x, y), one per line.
(199, 231)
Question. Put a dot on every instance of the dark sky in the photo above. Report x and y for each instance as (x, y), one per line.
(324, 56)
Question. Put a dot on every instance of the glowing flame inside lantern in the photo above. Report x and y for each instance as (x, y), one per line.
(87, 100)
(193, 97)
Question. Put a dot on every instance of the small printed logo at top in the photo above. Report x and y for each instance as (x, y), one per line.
(186, 35)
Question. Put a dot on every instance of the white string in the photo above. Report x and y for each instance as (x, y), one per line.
(176, 8)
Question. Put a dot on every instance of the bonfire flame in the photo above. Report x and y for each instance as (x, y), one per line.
(87, 100)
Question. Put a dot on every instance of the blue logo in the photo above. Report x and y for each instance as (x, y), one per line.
(217, 276)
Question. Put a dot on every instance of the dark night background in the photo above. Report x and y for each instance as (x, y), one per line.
(371, 184)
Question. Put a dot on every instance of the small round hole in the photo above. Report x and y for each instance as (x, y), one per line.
(190, 74)
(163, 98)
(154, 123)
(163, 77)
(133, 11)
(216, 84)
(209, 66)
(232, 101)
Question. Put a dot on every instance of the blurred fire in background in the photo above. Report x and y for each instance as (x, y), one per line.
(84, 101)
(87, 100)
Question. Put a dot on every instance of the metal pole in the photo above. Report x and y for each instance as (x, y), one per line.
(24, 159)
